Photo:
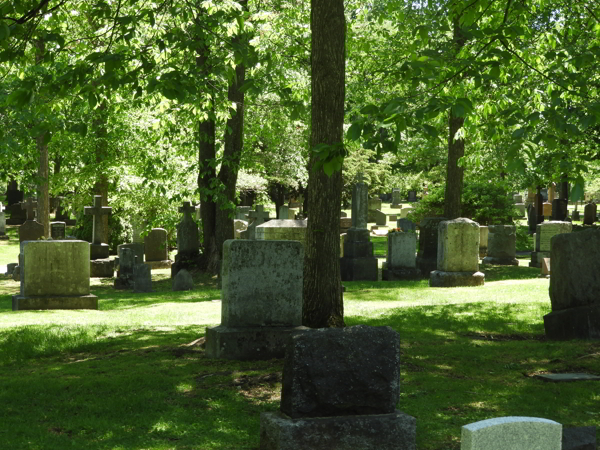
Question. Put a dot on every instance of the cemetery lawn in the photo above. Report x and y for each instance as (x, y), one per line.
(134, 375)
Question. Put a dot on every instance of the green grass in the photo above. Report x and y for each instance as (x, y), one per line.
(134, 374)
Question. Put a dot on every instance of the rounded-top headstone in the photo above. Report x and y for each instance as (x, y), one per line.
(183, 281)
(156, 245)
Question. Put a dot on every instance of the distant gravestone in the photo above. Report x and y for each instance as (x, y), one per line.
(560, 209)
(458, 255)
(98, 249)
(512, 433)
(545, 232)
(406, 225)
(30, 230)
(282, 230)
(589, 213)
(156, 246)
(343, 214)
(401, 261)
(396, 198)
(517, 198)
(412, 196)
(332, 399)
(428, 244)
(406, 211)
(261, 299)
(54, 275)
(58, 230)
(241, 212)
(188, 245)
(183, 281)
(374, 204)
(142, 278)
(124, 279)
(239, 227)
(2, 223)
(345, 224)
(484, 233)
(260, 216)
(380, 218)
(547, 208)
(136, 248)
(284, 213)
(531, 218)
(501, 249)
(574, 286)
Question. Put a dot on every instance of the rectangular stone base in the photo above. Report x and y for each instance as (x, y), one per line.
(396, 431)
(439, 278)
(573, 323)
(248, 344)
(102, 268)
(99, 251)
(403, 273)
(537, 257)
(22, 303)
(358, 269)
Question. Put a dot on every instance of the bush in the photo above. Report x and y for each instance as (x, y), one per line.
(483, 202)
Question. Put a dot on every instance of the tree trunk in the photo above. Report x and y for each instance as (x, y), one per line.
(101, 184)
(207, 172)
(43, 188)
(454, 174)
(323, 303)
(277, 195)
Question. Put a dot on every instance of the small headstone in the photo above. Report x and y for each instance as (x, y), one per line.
(501, 248)
(412, 196)
(396, 199)
(531, 218)
(380, 218)
(282, 230)
(406, 225)
(284, 212)
(589, 213)
(374, 204)
(579, 438)
(239, 226)
(576, 215)
(544, 233)
(183, 281)
(547, 210)
(10, 268)
(98, 249)
(345, 224)
(188, 244)
(156, 246)
(512, 433)
(136, 248)
(484, 233)
(560, 209)
(58, 230)
(126, 263)
(406, 211)
(392, 217)
(343, 214)
(142, 278)
(517, 198)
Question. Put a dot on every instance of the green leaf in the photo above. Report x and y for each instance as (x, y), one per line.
(577, 190)
(247, 85)
(431, 131)
(354, 131)
(369, 109)
(4, 31)
(495, 72)
(519, 133)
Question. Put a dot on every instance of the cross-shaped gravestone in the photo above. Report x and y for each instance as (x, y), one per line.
(259, 215)
(29, 205)
(187, 209)
(97, 211)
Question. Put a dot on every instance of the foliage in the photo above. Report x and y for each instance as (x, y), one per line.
(484, 202)
(524, 240)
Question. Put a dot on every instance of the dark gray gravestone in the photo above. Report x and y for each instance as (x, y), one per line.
(183, 281)
(156, 246)
(531, 219)
(428, 244)
(98, 249)
(58, 230)
(142, 278)
(412, 196)
(188, 244)
(126, 263)
(589, 213)
(576, 215)
(380, 218)
(406, 224)
(579, 438)
(559, 209)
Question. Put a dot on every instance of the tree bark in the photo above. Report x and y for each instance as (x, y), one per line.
(43, 188)
(207, 172)
(454, 173)
(101, 147)
(323, 303)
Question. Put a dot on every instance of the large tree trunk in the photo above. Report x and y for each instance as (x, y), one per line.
(101, 185)
(207, 172)
(43, 188)
(323, 304)
(454, 174)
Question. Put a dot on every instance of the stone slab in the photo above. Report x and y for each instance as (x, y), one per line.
(395, 431)
(183, 281)
(248, 343)
(439, 278)
(547, 230)
(512, 433)
(23, 303)
(136, 247)
(502, 241)
(401, 250)
(262, 283)
(546, 266)
(156, 246)
(567, 377)
(102, 268)
(458, 246)
(142, 278)
(582, 322)
(537, 258)
(579, 438)
(99, 251)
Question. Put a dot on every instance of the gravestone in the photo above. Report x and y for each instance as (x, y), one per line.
(574, 286)
(546, 267)
(98, 249)
(282, 230)
(401, 263)
(136, 248)
(284, 213)
(483, 241)
(54, 275)
(406, 211)
(579, 438)
(345, 224)
(124, 279)
(380, 218)
(501, 250)
(560, 209)
(239, 227)
(339, 391)
(531, 219)
(374, 205)
(14, 196)
(512, 433)
(539, 206)
(547, 207)
(519, 205)
(156, 248)
(589, 214)
(545, 232)
(428, 245)
(576, 215)
(412, 196)
(3, 235)
(183, 281)
(396, 198)
(30, 230)
(406, 225)
(241, 212)
(392, 218)
(261, 299)
(343, 214)
(458, 255)
(188, 245)
(58, 230)
(142, 277)
(358, 262)
(260, 216)
(517, 198)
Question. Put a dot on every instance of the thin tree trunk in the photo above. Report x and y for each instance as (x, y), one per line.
(323, 303)
(101, 184)
(454, 174)
(43, 188)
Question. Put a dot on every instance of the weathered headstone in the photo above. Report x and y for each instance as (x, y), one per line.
(458, 255)
(547, 207)
(483, 241)
(396, 198)
(392, 217)
(544, 233)
(512, 433)
(406, 224)
(284, 213)
(589, 213)
(142, 278)
(374, 205)
(519, 205)
(54, 275)
(574, 286)
(345, 224)
(412, 196)
(136, 248)
(98, 249)
(539, 206)
(517, 198)
(188, 245)
(560, 209)
(261, 299)
(406, 211)
(358, 262)
(125, 273)
(260, 216)
(501, 249)
(428, 244)
(239, 226)
(58, 230)
(531, 218)
(30, 230)
(380, 218)
(183, 281)
(156, 246)
(401, 261)
(241, 212)
(339, 391)
(579, 438)
(2, 223)
(282, 230)
(576, 215)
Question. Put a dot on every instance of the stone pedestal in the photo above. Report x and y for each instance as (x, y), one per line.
(358, 263)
